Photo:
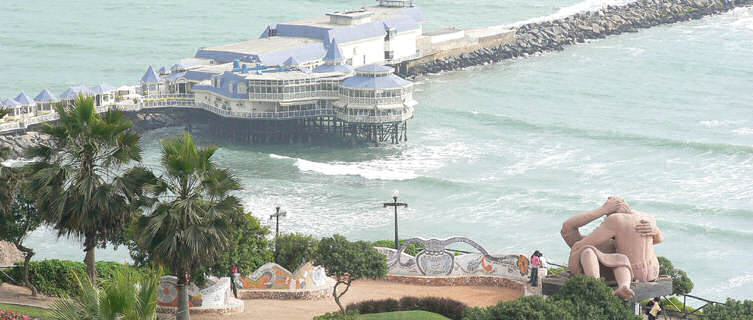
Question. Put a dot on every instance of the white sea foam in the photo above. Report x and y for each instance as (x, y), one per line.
(719, 123)
(585, 6)
(744, 131)
(371, 170)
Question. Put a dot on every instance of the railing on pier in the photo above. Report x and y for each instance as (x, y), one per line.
(317, 94)
(188, 101)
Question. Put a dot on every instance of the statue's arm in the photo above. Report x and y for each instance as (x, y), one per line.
(605, 231)
(570, 232)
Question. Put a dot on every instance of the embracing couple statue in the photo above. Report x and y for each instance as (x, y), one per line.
(621, 248)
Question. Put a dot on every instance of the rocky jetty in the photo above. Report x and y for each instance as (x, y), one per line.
(554, 35)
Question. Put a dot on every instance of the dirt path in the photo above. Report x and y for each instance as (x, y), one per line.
(20, 295)
(366, 290)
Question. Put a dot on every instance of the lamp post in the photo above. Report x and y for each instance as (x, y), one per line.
(278, 213)
(395, 204)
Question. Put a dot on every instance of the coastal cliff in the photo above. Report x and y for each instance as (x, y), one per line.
(554, 35)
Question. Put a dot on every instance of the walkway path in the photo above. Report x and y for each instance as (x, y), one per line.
(367, 290)
(20, 295)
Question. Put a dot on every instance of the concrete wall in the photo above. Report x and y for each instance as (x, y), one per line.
(404, 44)
(363, 52)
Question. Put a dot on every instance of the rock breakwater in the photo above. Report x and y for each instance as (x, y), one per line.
(554, 35)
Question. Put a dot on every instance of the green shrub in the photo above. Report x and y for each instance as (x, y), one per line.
(730, 310)
(447, 307)
(582, 297)
(56, 277)
(525, 308)
(412, 249)
(293, 249)
(681, 283)
(337, 316)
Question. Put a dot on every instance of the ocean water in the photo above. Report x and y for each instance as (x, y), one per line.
(501, 153)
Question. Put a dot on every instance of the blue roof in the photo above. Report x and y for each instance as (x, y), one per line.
(24, 99)
(198, 75)
(163, 70)
(11, 103)
(102, 88)
(222, 91)
(357, 32)
(400, 24)
(150, 75)
(386, 82)
(226, 56)
(334, 54)
(305, 53)
(291, 62)
(344, 68)
(174, 76)
(74, 92)
(375, 68)
(46, 96)
(303, 31)
(265, 34)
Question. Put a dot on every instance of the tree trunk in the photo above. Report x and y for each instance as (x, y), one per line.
(337, 298)
(28, 253)
(182, 312)
(90, 243)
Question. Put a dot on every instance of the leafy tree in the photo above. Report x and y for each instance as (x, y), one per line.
(249, 247)
(412, 249)
(730, 310)
(189, 226)
(82, 186)
(18, 214)
(348, 261)
(293, 249)
(128, 295)
(681, 283)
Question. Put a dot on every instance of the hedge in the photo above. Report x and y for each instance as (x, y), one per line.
(56, 277)
(447, 307)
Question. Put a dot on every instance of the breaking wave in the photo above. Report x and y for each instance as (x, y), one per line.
(371, 170)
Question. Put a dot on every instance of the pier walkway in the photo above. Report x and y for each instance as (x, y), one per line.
(185, 101)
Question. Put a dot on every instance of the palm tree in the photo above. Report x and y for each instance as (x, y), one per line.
(126, 296)
(80, 179)
(189, 225)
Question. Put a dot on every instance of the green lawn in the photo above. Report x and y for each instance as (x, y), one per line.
(34, 312)
(403, 315)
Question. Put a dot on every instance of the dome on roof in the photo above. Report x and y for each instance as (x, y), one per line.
(375, 69)
(343, 68)
(24, 99)
(390, 81)
(46, 96)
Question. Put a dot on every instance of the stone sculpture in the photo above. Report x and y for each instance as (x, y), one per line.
(622, 247)
(436, 260)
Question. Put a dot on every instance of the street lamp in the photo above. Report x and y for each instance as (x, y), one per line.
(278, 213)
(395, 204)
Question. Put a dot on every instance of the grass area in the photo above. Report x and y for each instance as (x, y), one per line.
(403, 315)
(33, 312)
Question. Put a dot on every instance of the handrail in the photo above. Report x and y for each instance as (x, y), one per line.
(188, 101)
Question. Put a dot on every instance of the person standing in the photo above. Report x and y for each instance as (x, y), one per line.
(535, 264)
(544, 267)
(233, 277)
(654, 308)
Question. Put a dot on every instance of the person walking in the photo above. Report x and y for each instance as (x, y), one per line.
(535, 264)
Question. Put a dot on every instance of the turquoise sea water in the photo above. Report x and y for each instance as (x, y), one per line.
(502, 153)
